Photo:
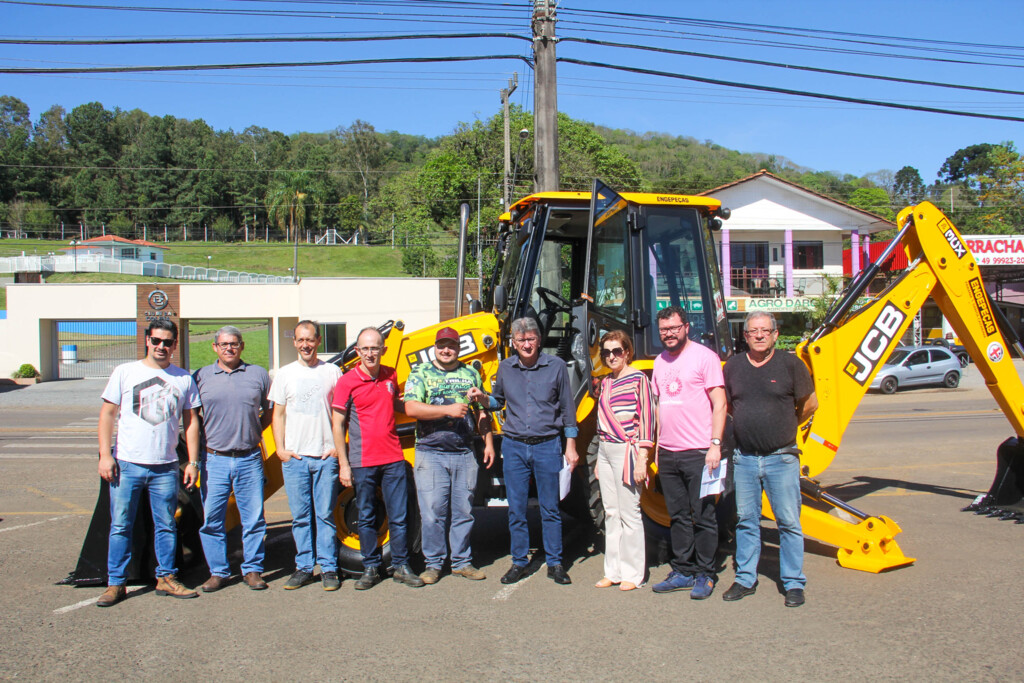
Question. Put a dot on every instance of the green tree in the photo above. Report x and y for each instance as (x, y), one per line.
(288, 201)
(908, 188)
(873, 199)
(15, 133)
(1002, 190)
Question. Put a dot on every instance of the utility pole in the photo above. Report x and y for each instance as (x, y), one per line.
(506, 189)
(545, 102)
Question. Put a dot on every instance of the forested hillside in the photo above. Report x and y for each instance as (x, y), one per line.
(98, 171)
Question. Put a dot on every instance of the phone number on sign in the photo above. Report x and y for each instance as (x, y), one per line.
(1002, 261)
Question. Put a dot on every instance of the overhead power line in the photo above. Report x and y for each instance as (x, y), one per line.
(789, 91)
(252, 39)
(795, 67)
(254, 65)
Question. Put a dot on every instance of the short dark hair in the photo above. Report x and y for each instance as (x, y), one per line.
(162, 324)
(669, 311)
(307, 323)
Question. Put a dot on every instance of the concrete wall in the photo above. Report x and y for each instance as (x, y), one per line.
(29, 333)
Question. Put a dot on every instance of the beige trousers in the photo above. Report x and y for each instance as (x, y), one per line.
(625, 557)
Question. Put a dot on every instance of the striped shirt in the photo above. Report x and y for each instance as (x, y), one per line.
(630, 399)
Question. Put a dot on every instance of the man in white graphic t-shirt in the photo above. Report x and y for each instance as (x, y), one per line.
(301, 393)
(147, 399)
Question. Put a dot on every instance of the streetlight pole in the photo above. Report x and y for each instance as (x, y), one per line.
(208, 257)
(74, 251)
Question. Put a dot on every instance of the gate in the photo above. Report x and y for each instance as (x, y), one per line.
(93, 348)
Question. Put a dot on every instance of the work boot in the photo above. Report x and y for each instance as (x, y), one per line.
(330, 581)
(254, 581)
(404, 574)
(297, 580)
(470, 572)
(214, 584)
(169, 585)
(431, 575)
(112, 596)
(369, 579)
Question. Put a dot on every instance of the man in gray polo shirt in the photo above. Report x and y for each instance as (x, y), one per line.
(235, 413)
(535, 388)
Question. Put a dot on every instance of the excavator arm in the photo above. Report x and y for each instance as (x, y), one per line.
(846, 352)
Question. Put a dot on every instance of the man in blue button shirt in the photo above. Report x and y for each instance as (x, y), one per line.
(534, 388)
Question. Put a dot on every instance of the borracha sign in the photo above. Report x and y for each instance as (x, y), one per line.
(871, 349)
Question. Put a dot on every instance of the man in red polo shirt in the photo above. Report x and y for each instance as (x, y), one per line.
(365, 401)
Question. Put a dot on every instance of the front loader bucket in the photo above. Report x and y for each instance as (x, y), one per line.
(1005, 499)
(92, 560)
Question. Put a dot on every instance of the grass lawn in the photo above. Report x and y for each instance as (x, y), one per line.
(274, 258)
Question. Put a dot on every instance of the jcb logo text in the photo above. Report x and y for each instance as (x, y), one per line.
(875, 342)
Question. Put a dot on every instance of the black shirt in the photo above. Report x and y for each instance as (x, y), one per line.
(763, 401)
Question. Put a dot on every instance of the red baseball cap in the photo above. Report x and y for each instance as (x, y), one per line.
(447, 333)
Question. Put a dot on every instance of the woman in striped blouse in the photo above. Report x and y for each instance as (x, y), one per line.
(626, 438)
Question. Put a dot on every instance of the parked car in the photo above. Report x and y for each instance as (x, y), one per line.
(910, 366)
(957, 350)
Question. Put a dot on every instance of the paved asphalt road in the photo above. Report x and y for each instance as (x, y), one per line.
(917, 457)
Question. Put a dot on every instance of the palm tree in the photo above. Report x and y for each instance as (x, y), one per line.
(286, 206)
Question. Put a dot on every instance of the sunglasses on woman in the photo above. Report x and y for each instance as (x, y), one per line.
(617, 352)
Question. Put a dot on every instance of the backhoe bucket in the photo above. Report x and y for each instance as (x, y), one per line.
(1005, 499)
(92, 560)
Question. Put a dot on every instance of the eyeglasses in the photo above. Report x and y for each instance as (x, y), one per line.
(370, 349)
(617, 352)
(526, 340)
(229, 345)
(671, 330)
(166, 343)
(759, 333)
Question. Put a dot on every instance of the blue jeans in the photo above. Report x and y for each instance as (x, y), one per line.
(161, 482)
(221, 475)
(312, 486)
(543, 461)
(394, 488)
(778, 475)
(446, 481)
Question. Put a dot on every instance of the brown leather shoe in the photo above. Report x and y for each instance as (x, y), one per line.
(214, 584)
(112, 596)
(254, 581)
(169, 585)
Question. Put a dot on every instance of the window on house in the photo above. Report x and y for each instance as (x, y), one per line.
(130, 252)
(333, 338)
(152, 256)
(808, 255)
(748, 255)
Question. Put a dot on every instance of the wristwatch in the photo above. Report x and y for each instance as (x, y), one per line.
(193, 463)
(716, 442)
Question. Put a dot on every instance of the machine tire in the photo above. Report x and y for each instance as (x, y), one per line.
(594, 505)
(888, 385)
(951, 380)
(350, 559)
(964, 359)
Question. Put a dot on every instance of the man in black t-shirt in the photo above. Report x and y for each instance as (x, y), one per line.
(770, 394)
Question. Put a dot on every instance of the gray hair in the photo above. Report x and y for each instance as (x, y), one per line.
(753, 315)
(227, 331)
(521, 326)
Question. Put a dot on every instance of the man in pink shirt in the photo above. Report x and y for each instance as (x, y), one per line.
(690, 389)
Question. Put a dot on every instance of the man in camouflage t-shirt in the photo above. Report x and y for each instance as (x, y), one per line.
(446, 467)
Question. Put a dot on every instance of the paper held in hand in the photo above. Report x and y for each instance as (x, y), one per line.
(564, 479)
(712, 483)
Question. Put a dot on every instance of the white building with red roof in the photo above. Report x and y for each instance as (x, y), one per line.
(112, 246)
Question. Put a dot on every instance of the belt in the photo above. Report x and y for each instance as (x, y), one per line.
(237, 453)
(533, 440)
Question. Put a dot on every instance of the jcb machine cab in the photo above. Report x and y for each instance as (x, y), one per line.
(582, 264)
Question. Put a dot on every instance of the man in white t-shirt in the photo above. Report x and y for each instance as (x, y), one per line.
(147, 399)
(301, 393)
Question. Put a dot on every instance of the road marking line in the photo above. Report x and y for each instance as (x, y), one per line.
(25, 526)
(506, 592)
(80, 438)
(91, 601)
(924, 465)
(83, 444)
(58, 501)
(41, 456)
(40, 512)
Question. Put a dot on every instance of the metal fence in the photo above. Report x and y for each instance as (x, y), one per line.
(93, 348)
(102, 264)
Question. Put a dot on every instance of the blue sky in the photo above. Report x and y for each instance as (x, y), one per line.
(431, 99)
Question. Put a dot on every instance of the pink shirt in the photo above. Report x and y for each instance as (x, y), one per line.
(682, 383)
